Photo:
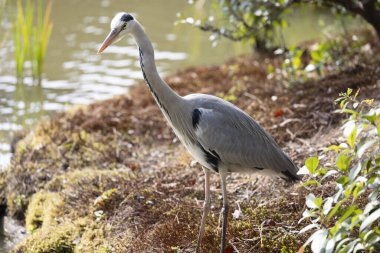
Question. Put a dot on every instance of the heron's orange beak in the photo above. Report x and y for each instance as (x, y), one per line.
(109, 40)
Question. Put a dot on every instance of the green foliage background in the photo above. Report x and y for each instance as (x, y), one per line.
(346, 214)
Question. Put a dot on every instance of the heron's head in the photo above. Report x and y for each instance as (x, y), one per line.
(121, 25)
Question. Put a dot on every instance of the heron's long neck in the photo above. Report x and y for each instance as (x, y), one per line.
(163, 94)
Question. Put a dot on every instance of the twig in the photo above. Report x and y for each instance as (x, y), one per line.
(233, 246)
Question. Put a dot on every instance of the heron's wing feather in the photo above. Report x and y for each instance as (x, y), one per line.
(240, 141)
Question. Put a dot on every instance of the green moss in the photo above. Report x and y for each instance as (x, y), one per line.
(61, 216)
(16, 204)
(93, 239)
(43, 210)
(58, 239)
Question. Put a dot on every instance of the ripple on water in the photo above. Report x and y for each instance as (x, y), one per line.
(8, 126)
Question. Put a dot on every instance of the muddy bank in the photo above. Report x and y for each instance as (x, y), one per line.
(112, 176)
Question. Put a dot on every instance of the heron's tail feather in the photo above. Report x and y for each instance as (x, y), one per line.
(289, 171)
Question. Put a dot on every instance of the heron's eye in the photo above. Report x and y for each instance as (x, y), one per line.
(123, 26)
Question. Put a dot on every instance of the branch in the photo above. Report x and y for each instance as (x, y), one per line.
(226, 33)
(350, 5)
(368, 4)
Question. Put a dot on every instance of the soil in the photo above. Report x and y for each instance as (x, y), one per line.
(112, 176)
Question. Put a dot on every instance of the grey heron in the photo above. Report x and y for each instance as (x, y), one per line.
(219, 136)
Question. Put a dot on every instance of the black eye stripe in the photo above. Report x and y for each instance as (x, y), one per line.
(126, 17)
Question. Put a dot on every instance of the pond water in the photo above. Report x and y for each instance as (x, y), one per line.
(76, 74)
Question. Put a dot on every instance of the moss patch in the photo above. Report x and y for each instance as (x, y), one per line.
(58, 239)
(43, 210)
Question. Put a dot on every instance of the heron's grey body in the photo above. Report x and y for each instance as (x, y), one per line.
(220, 136)
(224, 138)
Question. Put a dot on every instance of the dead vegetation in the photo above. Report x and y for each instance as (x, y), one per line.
(112, 177)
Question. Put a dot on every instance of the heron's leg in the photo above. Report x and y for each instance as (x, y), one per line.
(206, 207)
(223, 177)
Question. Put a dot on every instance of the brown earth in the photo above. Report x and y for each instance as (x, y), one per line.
(112, 177)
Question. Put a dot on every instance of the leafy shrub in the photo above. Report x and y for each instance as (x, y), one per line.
(256, 21)
(319, 59)
(345, 207)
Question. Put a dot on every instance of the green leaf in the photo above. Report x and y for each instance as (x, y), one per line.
(347, 213)
(357, 93)
(335, 148)
(364, 147)
(314, 236)
(368, 101)
(370, 117)
(370, 219)
(328, 205)
(308, 213)
(312, 164)
(343, 162)
(297, 62)
(341, 244)
(329, 173)
(352, 137)
(358, 190)
(350, 246)
(318, 202)
(365, 236)
(313, 202)
(343, 180)
(330, 245)
(270, 69)
(373, 239)
(319, 240)
(354, 172)
(308, 227)
(335, 209)
(349, 111)
(373, 196)
(311, 182)
(321, 172)
(370, 206)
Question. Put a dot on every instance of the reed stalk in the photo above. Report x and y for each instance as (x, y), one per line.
(31, 27)
(41, 36)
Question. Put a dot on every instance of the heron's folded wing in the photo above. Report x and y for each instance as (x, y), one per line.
(239, 140)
